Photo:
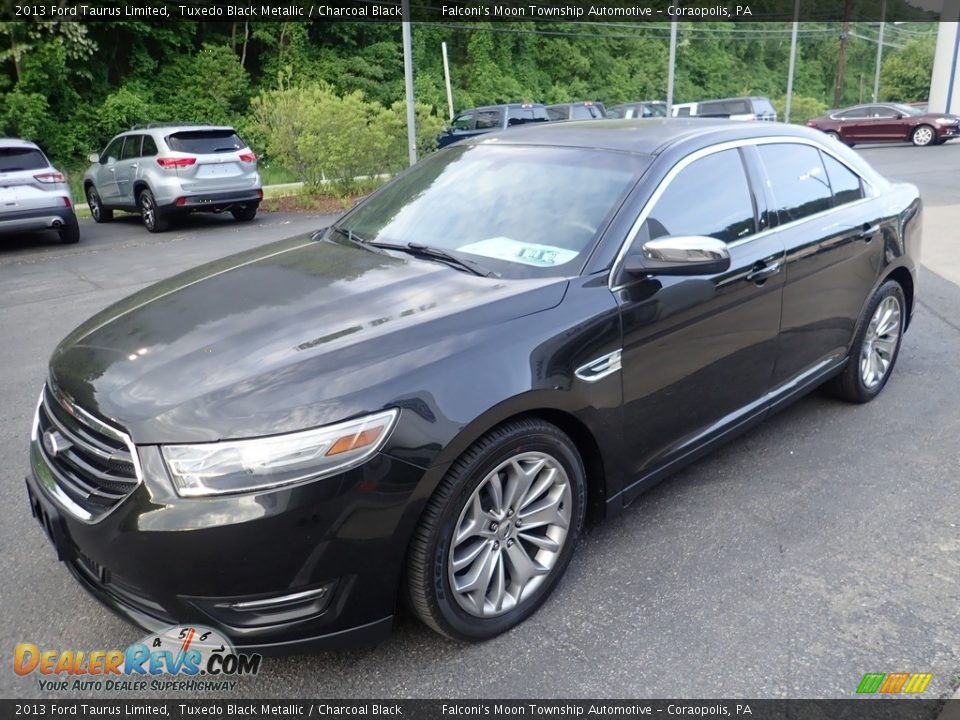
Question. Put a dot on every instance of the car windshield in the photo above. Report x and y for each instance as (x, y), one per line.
(521, 211)
(909, 110)
(13, 159)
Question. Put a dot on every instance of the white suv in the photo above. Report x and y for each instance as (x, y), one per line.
(161, 171)
(34, 195)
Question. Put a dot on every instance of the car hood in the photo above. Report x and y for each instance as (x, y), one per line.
(292, 335)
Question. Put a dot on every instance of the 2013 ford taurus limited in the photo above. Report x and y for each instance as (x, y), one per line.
(424, 400)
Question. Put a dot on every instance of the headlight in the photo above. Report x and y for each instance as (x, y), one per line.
(244, 465)
(946, 121)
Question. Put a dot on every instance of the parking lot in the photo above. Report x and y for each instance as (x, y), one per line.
(820, 546)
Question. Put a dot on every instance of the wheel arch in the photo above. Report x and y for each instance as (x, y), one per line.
(139, 185)
(904, 278)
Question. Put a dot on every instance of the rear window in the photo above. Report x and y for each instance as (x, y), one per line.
(21, 158)
(205, 142)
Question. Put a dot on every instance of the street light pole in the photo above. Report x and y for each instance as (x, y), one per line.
(793, 60)
(673, 60)
(408, 83)
(876, 77)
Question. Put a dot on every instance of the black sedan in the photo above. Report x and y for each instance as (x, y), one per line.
(424, 401)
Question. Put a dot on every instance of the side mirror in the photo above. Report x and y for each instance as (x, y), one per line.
(680, 255)
(93, 158)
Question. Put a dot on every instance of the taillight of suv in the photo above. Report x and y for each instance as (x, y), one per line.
(170, 163)
(248, 157)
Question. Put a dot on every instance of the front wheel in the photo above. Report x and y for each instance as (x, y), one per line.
(875, 348)
(923, 135)
(499, 531)
(833, 135)
(97, 210)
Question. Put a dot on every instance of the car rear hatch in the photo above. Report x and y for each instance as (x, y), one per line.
(27, 182)
(212, 160)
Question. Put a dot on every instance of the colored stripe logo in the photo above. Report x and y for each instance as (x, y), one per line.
(892, 683)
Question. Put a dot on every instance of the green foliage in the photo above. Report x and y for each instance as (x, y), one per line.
(337, 139)
(208, 87)
(906, 74)
(802, 108)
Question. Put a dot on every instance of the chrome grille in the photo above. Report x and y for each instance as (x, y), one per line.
(91, 462)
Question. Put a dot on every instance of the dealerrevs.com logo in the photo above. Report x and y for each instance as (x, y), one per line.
(181, 658)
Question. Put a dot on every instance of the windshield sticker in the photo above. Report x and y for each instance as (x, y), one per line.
(503, 248)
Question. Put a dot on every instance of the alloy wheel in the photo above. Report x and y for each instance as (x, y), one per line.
(880, 342)
(147, 210)
(509, 534)
(93, 202)
(923, 135)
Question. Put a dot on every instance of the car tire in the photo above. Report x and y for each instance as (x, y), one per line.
(923, 135)
(876, 345)
(833, 135)
(504, 573)
(99, 213)
(154, 220)
(245, 213)
(70, 231)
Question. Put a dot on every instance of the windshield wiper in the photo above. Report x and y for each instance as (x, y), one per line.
(435, 253)
(349, 235)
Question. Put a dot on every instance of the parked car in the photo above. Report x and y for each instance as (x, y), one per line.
(888, 122)
(684, 109)
(739, 108)
(423, 399)
(482, 120)
(643, 109)
(164, 171)
(586, 110)
(34, 195)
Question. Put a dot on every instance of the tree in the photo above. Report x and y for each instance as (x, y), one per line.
(906, 74)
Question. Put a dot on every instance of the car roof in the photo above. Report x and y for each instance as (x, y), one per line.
(649, 136)
(17, 142)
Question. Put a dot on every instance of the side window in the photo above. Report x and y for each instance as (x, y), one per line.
(149, 147)
(798, 180)
(557, 113)
(683, 112)
(852, 113)
(846, 184)
(583, 112)
(112, 152)
(464, 122)
(131, 147)
(709, 197)
(882, 111)
(488, 119)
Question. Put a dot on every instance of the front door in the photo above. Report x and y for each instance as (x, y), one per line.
(698, 352)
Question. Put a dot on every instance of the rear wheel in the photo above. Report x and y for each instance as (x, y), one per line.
(832, 135)
(97, 210)
(70, 231)
(498, 533)
(153, 218)
(923, 135)
(244, 213)
(875, 347)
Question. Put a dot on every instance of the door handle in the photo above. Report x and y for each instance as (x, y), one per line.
(135, 165)
(760, 273)
(868, 232)
(113, 170)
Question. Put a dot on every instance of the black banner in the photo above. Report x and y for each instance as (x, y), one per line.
(856, 709)
(473, 11)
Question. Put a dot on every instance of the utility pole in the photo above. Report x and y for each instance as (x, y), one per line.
(876, 77)
(842, 55)
(408, 83)
(793, 60)
(673, 61)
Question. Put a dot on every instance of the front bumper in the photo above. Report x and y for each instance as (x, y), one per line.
(50, 218)
(316, 565)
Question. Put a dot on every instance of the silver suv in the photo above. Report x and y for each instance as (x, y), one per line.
(162, 171)
(34, 195)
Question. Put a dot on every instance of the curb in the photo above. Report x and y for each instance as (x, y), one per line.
(951, 707)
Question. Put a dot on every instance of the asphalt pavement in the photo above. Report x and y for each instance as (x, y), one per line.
(823, 545)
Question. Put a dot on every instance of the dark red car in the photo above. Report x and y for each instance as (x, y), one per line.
(888, 122)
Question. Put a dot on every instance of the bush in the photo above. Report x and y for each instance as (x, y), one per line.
(802, 108)
(337, 139)
(905, 75)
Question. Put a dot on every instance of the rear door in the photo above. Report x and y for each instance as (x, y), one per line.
(212, 160)
(834, 245)
(126, 168)
(105, 175)
(25, 180)
(699, 351)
